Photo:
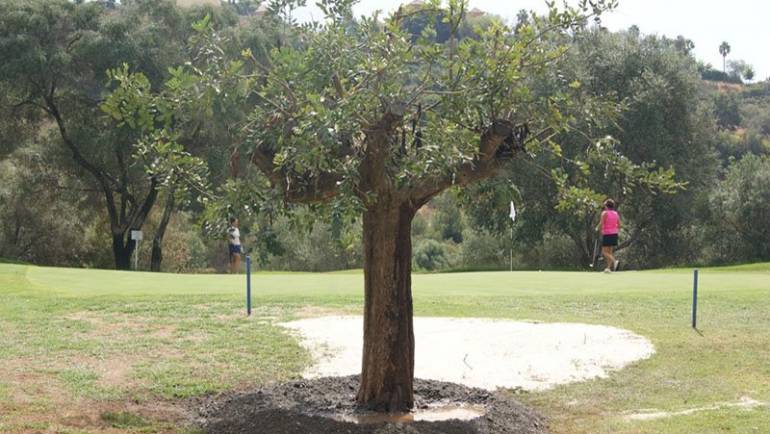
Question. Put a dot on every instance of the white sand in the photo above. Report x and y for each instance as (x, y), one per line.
(482, 353)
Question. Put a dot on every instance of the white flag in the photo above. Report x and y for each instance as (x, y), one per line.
(513, 212)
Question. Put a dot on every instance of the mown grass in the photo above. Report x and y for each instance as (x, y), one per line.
(99, 339)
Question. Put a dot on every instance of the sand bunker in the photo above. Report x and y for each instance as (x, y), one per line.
(482, 353)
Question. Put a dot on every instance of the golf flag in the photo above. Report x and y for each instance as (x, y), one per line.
(513, 212)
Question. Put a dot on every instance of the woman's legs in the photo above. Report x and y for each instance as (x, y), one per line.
(609, 258)
(235, 262)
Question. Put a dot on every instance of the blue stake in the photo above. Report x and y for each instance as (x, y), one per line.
(248, 285)
(695, 299)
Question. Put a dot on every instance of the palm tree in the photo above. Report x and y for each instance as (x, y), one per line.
(724, 50)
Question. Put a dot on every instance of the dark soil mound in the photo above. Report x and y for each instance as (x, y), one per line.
(305, 406)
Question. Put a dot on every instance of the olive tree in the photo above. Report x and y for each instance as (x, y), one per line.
(369, 120)
(363, 110)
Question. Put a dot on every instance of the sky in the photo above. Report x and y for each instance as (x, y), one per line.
(744, 24)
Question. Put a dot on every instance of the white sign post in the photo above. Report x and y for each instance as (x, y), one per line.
(512, 215)
(136, 236)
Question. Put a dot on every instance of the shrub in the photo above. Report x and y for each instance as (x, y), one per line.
(481, 250)
(432, 255)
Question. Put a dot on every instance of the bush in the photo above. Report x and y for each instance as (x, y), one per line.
(420, 225)
(316, 249)
(716, 75)
(481, 250)
(432, 255)
(556, 251)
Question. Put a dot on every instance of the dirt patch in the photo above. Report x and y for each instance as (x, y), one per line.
(162, 332)
(116, 371)
(316, 406)
(121, 326)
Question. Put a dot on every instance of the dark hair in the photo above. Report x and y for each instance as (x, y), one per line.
(233, 219)
(609, 204)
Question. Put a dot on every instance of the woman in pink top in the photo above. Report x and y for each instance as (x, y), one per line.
(610, 226)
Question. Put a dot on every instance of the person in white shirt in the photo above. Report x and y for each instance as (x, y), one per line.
(234, 245)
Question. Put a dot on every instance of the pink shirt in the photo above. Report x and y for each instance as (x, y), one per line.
(611, 223)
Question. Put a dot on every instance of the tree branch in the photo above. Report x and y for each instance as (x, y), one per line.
(377, 153)
(324, 187)
(102, 178)
(486, 163)
(631, 240)
(139, 215)
(168, 210)
(125, 197)
(32, 103)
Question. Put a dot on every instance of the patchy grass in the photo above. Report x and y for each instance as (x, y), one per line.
(82, 383)
(124, 419)
(83, 349)
(5, 392)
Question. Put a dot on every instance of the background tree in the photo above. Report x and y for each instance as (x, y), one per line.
(663, 119)
(748, 74)
(739, 204)
(739, 69)
(666, 121)
(724, 50)
(35, 193)
(58, 65)
(58, 53)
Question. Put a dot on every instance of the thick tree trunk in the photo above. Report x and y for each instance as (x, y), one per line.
(586, 253)
(388, 357)
(157, 254)
(157, 240)
(122, 251)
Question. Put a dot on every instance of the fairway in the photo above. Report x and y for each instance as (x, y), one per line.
(105, 351)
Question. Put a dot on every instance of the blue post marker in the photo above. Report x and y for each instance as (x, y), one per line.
(695, 299)
(248, 285)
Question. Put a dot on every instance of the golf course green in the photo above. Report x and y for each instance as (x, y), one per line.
(104, 351)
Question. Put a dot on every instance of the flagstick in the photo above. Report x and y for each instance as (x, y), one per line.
(511, 246)
(512, 215)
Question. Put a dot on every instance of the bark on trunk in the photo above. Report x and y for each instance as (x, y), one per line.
(157, 240)
(388, 356)
(157, 254)
(122, 251)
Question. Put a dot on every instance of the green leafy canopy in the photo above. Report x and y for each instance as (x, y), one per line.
(436, 114)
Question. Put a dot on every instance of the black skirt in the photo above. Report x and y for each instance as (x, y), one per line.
(609, 240)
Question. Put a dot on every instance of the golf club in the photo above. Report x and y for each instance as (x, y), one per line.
(595, 255)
